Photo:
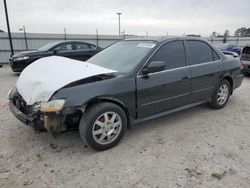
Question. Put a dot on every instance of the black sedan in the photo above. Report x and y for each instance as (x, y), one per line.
(72, 49)
(129, 82)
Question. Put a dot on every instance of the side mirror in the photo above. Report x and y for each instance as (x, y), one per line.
(154, 66)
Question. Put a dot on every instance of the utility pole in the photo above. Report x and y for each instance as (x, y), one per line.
(8, 27)
(65, 35)
(119, 22)
(97, 37)
(25, 36)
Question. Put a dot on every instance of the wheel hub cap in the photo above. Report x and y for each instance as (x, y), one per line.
(222, 94)
(107, 128)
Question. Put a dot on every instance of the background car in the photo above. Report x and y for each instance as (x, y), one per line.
(231, 54)
(245, 60)
(229, 48)
(72, 49)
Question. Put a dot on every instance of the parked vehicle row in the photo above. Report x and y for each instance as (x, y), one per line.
(72, 49)
(227, 47)
(129, 82)
(245, 60)
(231, 54)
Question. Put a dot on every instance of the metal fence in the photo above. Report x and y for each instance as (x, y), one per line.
(238, 41)
(36, 40)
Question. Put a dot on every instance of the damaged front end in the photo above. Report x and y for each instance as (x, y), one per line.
(47, 116)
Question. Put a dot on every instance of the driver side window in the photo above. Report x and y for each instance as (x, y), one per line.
(172, 53)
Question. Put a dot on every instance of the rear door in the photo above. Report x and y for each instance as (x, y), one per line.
(206, 69)
(167, 89)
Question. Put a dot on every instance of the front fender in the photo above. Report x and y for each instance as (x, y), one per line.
(120, 91)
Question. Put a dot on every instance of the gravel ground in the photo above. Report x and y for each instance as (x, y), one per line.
(199, 147)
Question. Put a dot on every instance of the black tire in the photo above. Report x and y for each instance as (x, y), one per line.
(215, 104)
(88, 124)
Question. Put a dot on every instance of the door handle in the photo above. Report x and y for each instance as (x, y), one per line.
(211, 74)
(184, 78)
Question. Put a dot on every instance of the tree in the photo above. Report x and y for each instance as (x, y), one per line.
(247, 34)
(214, 34)
(226, 34)
(242, 32)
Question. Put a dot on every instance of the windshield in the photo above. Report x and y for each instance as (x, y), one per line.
(123, 56)
(48, 46)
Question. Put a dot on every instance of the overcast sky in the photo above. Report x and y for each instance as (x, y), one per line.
(158, 17)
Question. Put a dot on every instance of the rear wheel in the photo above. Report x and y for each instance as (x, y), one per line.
(221, 95)
(103, 125)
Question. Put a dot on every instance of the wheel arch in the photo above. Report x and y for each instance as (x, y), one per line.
(230, 80)
(111, 100)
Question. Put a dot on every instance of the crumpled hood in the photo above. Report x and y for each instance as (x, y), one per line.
(41, 79)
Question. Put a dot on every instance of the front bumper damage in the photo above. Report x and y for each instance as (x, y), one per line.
(53, 122)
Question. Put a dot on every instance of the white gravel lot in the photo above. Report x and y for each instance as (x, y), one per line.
(199, 147)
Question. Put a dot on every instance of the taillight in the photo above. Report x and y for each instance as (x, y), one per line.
(241, 65)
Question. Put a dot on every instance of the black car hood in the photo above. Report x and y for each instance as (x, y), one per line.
(81, 91)
(92, 79)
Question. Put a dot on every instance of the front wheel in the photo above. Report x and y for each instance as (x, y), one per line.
(221, 95)
(103, 125)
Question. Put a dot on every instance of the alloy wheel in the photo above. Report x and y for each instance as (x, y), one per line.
(223, 94)
(107, 128)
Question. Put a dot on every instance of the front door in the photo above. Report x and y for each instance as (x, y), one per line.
(166, 89)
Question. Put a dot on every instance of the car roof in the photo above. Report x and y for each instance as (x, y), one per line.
(64, 41)
(162, 38)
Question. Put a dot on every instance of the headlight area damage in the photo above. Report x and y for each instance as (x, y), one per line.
(48, 116)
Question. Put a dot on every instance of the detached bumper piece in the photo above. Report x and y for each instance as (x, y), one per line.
(53, 123)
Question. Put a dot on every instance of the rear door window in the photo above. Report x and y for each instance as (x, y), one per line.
(81, 46)
(64, 47)
(199, 52)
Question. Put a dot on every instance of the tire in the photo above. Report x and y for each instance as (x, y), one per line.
(223, 92)
(103, 125)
